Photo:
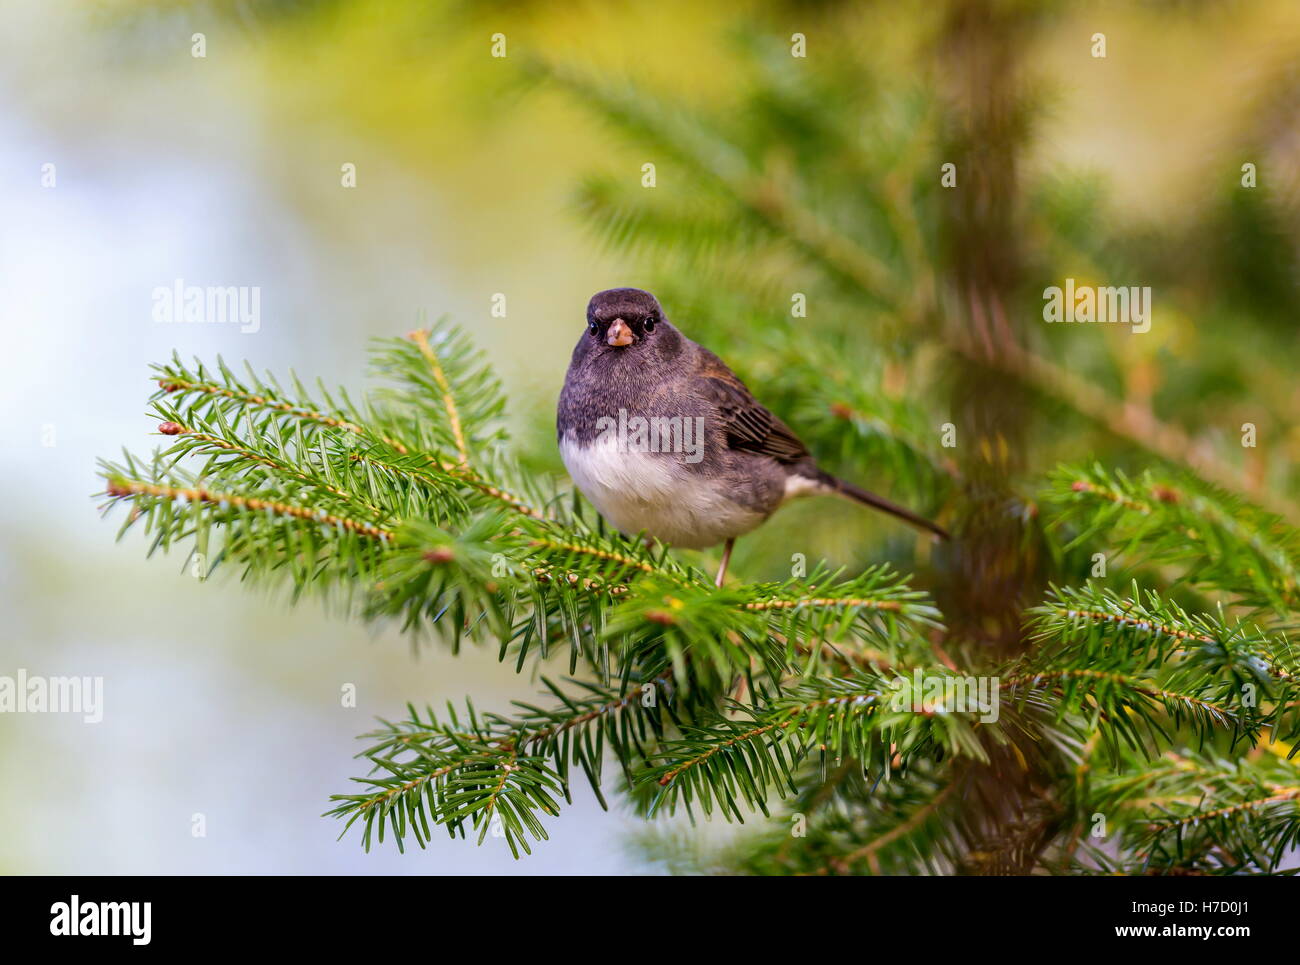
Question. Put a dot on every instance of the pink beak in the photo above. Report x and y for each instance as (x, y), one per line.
(619, 334)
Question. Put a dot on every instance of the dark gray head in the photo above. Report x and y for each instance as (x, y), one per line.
(620, 317)
(626, 326)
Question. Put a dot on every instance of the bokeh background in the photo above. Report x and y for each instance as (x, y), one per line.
(477, 176)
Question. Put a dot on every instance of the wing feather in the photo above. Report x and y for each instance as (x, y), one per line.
(749, 426)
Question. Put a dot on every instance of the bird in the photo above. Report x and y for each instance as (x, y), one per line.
(666, 442)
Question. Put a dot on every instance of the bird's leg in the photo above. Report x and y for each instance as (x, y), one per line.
(726, 558)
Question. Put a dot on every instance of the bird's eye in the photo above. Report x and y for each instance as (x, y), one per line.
(650, 324)
(593, 327)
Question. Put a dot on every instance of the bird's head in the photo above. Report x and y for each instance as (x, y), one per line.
(623, 317)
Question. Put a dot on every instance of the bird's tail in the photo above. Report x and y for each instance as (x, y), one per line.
(860, 495)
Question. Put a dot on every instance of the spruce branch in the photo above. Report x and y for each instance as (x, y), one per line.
(1146, 651)
(1202, 813)
(404, 507)
(1221, 541)
(843, 217)
(735, 763)
(477, 767)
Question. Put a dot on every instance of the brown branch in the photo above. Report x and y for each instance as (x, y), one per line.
(1289, 794)
(506, 768)
(791, 714)
(123, 487)
(598, 553)
(421, 338)
(776, 604)
(1101, 616)
(260, 401)
(267, 461)
(508, 746)
(459, 471)
(699, 759)
(868, 851)
(1116, 679)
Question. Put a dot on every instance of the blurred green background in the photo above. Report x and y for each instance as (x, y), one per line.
(475, 176)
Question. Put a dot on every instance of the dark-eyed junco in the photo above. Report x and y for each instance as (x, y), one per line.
(664, 439)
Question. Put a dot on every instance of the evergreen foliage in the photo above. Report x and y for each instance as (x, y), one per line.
(1147, 710)
(733, 700)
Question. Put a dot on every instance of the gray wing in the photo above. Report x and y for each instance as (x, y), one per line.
(749, 426)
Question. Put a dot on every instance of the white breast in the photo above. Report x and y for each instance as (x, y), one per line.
(648, 491)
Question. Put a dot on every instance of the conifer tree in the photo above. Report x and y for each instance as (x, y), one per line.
(1109, 583)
